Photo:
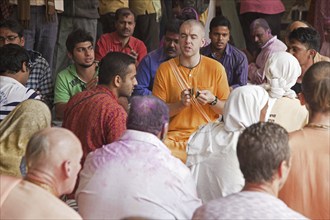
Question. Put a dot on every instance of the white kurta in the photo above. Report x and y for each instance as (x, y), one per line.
(136, 176)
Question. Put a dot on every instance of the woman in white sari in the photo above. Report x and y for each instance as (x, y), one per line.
(282, 71)
(212, 149)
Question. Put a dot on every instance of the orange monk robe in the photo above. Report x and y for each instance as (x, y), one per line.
(307, 189)
(207, 75)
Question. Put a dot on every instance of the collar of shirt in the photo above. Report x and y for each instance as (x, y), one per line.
(144, 137)
(107, 90)
(271, 40)
(9, 80)
(207, 51)
(116, 40)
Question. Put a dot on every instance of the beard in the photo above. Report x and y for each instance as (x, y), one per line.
(85, 65)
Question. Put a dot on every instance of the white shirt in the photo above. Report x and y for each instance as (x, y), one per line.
(247, 205)
(12, 93)
(135, 176)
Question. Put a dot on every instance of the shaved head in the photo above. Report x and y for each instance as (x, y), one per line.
(56, 153)
(195, 23)
(51, 145)
(297, 24)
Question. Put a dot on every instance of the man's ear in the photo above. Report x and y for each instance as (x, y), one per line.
(301, 98)
(284, 168)
(164, 131)
(312, 53)
(203, 42)
(66, 168)
(22, 43)
(117, 81)
(70, 55)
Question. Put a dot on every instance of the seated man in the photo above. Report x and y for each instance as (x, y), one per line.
(53, 160)
(80, 75)
(304, 44)
(137, 175)
(95, 115)
(262, 36)
(146, 70)
(264, 157)
(194, 87)
(40, 78)
(234, 60)
(121, 40)
(14, 73)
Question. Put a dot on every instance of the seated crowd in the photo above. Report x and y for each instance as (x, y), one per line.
(187, 131)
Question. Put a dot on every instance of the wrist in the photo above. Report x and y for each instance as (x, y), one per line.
(214, 102)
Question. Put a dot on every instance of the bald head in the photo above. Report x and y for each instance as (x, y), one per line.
(194, 23)
(297, 24)
(55, 153)
(51, 145)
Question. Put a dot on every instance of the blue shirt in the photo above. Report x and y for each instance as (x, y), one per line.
(235, 63)
(146, 71)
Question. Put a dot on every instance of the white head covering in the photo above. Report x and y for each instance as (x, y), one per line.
(243, 107)
(211, 149)
(282, 71)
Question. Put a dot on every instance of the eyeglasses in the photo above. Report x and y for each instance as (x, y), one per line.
(9, 38)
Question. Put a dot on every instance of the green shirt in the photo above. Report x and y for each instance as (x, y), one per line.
(67, 84)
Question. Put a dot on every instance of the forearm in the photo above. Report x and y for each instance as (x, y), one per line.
(59, 110)
(218, 108)
(175, 108)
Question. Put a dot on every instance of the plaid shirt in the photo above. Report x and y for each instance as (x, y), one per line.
(40, 78)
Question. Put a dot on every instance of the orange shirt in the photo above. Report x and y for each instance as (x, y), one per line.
(307, 189)
(207, 75)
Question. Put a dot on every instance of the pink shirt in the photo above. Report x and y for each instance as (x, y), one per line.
(262, 6)
(256, 70)
(110, 43)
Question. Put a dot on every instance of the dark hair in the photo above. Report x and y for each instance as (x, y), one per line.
(112, 64)
(260, 150)
(77, 36)
(12, 57)
(12, 25)
(148, 114)
(220, 21)
(173, 26)
(123, 12)
(316, 87)
(307, 36)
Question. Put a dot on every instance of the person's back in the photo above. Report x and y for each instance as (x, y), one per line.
(212, 148)
(21, 199)
(40, 77)
(282, 71)
(16, 130)
(137, 175)
(263, 153)
(14, 73)
(307, 189)
(95, 115)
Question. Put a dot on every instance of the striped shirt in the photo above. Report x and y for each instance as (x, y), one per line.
(12, 93)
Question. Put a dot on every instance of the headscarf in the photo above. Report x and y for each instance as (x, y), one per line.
(282, 71)
(16, 129)
(212, 155)
(243, 107)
